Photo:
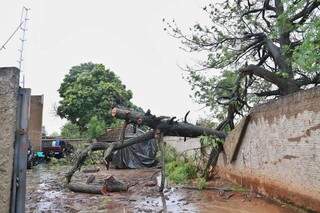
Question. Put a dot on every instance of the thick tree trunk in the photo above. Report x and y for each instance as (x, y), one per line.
(166, 125)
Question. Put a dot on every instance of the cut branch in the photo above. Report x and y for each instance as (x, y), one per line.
(165, 124)
(105, 146)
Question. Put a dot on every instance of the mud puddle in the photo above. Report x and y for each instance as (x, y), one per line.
(46, 193)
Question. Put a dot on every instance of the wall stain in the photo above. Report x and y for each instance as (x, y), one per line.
(289, 157)
(305, 135)
(287, 106)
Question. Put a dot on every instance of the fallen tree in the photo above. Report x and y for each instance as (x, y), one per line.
(167, 125)
(160, 126)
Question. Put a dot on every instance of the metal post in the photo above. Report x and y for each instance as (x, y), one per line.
(159, 136)
(20, 153)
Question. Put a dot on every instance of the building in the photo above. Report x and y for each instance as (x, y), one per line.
(35, 122)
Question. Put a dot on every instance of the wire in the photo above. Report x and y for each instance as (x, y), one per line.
(11, 36)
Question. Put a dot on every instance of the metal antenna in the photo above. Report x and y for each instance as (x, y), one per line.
(24, 18)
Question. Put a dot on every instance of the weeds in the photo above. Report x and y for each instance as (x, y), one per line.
(179, 168)
(201, 183)
(180, 172)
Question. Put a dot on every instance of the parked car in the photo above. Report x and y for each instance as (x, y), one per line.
(56, 148)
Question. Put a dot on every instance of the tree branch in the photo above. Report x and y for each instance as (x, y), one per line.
(286, 86)
(305, 12)
(268, 93)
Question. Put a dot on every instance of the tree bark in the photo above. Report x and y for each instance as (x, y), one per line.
(167, 125)
(110, 185)
(286, 86)
(85, 188)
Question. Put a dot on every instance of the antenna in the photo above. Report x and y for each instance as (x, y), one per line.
(23, 20)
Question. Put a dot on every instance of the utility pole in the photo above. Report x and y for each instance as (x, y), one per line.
(24, 19)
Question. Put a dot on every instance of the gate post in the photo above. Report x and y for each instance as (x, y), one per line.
(21, 145)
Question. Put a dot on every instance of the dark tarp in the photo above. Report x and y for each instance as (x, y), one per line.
(136, 156)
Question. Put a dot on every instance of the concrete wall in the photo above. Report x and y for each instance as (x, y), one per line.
(35, 122)
(279, 150)
(9, 84)
(183, 146)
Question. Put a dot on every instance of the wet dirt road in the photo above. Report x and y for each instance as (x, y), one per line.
(45, 193)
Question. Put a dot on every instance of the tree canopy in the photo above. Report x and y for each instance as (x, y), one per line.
(89, 91)
(258, 49)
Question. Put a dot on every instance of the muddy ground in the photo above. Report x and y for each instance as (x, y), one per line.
(46, 193)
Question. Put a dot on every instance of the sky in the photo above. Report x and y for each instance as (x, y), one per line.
(126, 36)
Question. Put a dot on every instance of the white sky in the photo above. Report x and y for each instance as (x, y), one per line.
(125, 36)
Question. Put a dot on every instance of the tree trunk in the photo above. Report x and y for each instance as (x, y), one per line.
(110, 185)
(166, 125)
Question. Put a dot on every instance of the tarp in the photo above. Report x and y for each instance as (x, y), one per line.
(137, 156)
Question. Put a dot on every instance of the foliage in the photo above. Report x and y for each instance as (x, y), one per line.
(209, 141)
(254, 50)
(180, 171)
(95, 128)
(90, 90)
(70, 130)
(201, 183)
(206, 122)
(93, 158)
(54, 134)
(307, 55)
(170, 154)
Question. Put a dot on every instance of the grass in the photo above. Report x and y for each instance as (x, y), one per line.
(179, 169)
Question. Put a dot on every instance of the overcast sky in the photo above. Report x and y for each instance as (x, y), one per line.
(125, 36)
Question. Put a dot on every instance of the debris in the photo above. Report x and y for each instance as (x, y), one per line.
(93, 170)
(85, 188)
(90, 179)
(151, 183)
(113, 185)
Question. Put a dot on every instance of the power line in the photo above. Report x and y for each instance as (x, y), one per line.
(11, 36)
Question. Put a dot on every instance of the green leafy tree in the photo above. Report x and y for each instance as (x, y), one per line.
(70, 130)
(95, 128)
(254, 50)
(54, 134)
(90, 90)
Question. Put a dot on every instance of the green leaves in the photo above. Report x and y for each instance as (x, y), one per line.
(307, 55)
(95, 128)
(90, 91)
(281, 37)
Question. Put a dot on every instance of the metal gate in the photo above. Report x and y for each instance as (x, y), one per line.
(21, 145)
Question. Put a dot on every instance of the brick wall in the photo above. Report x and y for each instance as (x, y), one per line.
(278, 151)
